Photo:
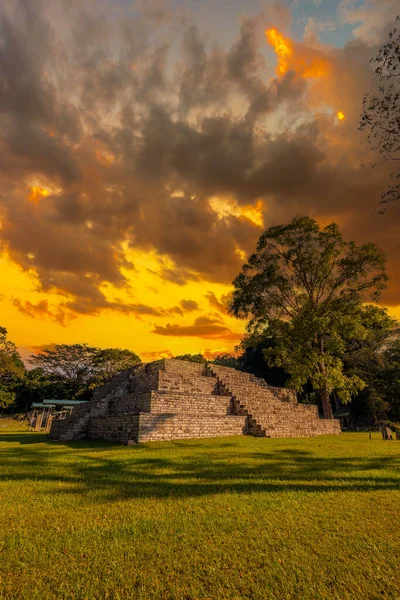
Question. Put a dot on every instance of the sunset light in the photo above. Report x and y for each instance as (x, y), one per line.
(199, 299)
(138, 180)
(305, 62)
(36, 193)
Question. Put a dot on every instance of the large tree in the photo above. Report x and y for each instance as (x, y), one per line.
(306, 284)
(381, 111)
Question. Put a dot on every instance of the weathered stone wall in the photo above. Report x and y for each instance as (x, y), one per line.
(145, 377)
(75, 427)
(175, 382)
(122, 428)
(127, 404)
(117, 386)
(190, 404)
(284, 394)
(164, 426)
(184, 368)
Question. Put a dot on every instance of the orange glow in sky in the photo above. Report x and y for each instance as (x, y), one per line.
(37, 192)
(307, 64)
(137, 181)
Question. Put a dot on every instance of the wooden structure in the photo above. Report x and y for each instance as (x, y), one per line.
(43, 413)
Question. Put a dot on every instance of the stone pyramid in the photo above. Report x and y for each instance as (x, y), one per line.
(172, 399)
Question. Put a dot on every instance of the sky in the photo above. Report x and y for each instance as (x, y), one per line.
(145, 146)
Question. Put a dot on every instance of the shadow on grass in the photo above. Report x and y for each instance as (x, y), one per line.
(183, 469)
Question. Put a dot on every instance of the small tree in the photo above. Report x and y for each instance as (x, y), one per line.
(381, 111)
(12, 370)
(307, 285)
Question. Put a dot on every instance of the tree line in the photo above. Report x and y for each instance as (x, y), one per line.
(65, 371)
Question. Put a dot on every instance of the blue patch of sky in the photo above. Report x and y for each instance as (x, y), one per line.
(324, 12)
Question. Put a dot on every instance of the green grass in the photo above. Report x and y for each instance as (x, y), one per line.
(224, 518)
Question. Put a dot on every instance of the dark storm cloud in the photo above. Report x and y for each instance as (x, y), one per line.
(200, 73)
(29, 105)
(134, 140)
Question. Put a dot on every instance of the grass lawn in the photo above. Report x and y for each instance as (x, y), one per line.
(223, 518)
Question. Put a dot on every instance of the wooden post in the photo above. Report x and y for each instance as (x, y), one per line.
(49, 419)
(39, 420)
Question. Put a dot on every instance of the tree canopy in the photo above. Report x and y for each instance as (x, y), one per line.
(306, 285)
(196, 358)
(78, 368)
(11, 370)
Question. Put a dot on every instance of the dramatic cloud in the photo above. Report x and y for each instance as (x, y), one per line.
(220, 305)
(128, 131)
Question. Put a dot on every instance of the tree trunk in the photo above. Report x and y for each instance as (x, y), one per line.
(326, 405)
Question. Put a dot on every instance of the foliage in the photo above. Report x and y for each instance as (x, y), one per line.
(306, 285)
(196, 358)
(7, 398)
(38, 385)
(11, 366)
(73, 366)
(111, 361)
(75, 370)
(12, 370)
(226, 360)
(364, 356)
(390, 379)
(252, 359)
(381, 111)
